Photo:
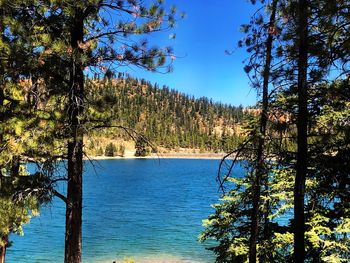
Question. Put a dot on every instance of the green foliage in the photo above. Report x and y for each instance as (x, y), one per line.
(46, 45)
(327, 211)
(166, 117)
(327, 183)
(99, 151)
(15, 215)
(28, 121)
(141, 147)
(121, 150)
(227, 226)
(110, 150)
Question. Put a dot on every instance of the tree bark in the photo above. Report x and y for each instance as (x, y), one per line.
(3, 253)
(16, 163)
(73, 238)
(1, 120)
(302, 123)
(3, 249)
(260, 162)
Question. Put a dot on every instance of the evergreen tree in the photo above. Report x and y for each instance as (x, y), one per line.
(291, 191)
(116, 101)
(67, 38)
(140, 146)
(302, 126)
(261, 171)
(110, 150)
(27, 121)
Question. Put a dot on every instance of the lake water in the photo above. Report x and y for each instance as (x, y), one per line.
(141, 208)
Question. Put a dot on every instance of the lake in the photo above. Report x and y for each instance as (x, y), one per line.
(141, 208)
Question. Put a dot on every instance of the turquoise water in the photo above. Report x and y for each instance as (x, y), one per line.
(140, 208)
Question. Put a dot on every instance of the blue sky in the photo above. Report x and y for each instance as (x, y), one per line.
(203, 68)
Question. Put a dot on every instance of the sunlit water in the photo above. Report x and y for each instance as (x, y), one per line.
(150, 210)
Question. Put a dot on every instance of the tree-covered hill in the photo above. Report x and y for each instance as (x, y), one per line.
(167, 118)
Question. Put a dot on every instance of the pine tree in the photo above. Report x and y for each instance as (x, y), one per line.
(26, 121)
(140, 146)
(110, 150)
(66, 38)
(295, 188)
(85, 19)
(260, 159)
(302, 126)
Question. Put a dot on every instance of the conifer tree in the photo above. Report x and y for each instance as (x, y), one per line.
(302, 126)
(260, 159)
(304, 56)
(242, 225)
(25, 123)
(70, 36)
(80, 37)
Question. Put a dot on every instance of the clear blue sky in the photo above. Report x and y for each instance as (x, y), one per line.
(203, 69)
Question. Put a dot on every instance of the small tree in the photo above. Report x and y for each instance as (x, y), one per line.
(99, 151)
(140, 146)
(110, 150)
(121, 151)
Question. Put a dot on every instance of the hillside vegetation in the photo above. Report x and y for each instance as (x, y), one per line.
(170, 120)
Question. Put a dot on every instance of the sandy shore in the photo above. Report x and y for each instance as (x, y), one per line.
(161, 259)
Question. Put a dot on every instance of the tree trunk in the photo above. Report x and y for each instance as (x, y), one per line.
(3, 253)
(16, 163)
(73, 238)
(260, 162)
(302, 156)
(1, 120)
(3, 249)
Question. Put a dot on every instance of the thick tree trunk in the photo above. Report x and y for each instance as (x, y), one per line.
(302, 156)
(3, 249)
(260, 162)
(73, 239)
(1, 120)
(15, 166)
(2, 254)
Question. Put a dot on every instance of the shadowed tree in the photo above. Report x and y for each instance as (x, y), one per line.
(261, 171)
(302, 126)
(303, 57)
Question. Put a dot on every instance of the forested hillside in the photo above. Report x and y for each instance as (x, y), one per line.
(284, 177)
(167, 118)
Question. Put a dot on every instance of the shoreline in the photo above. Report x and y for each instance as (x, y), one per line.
(154, 259)
(204, 156)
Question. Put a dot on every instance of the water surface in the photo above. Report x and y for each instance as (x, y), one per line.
(140, 208)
